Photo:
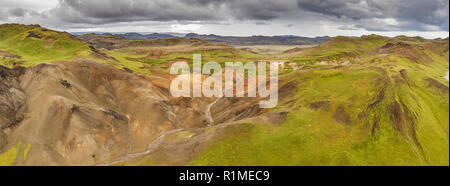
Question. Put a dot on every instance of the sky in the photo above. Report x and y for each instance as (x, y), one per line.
(310, 18)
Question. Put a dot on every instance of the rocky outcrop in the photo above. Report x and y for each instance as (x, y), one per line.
(12, 101)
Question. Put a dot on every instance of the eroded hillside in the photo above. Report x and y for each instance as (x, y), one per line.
(350, 101)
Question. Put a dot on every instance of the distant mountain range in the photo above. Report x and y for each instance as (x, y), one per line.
(137, 36)
(261, 40)
(231, 40)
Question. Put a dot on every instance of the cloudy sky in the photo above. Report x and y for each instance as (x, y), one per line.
(427, 18)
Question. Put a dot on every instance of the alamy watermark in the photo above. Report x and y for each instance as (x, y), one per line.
(228, 82)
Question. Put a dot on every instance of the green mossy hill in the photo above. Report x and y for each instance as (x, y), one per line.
(389, 108)
(358, 49)
(110, 42)
(33, 44)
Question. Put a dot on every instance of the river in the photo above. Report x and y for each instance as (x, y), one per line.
(155, 144)
(208, 112)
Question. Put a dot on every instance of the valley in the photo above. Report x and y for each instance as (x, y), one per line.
(97, 99)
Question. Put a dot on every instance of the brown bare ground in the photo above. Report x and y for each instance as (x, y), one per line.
(6, 54)
(432, 83)
(319, 105)
(341, 116)
(88, 113)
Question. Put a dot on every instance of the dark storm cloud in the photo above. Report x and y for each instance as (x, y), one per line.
(410, 14)
(107, 11)
(343, 15)
(354, 9)
(18, 12)
(375, 15)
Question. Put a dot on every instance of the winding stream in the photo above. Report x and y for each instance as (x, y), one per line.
(151, 148)
(208, 112)
(155, 144)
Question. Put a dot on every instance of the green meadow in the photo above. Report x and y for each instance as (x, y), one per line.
(389, 113)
